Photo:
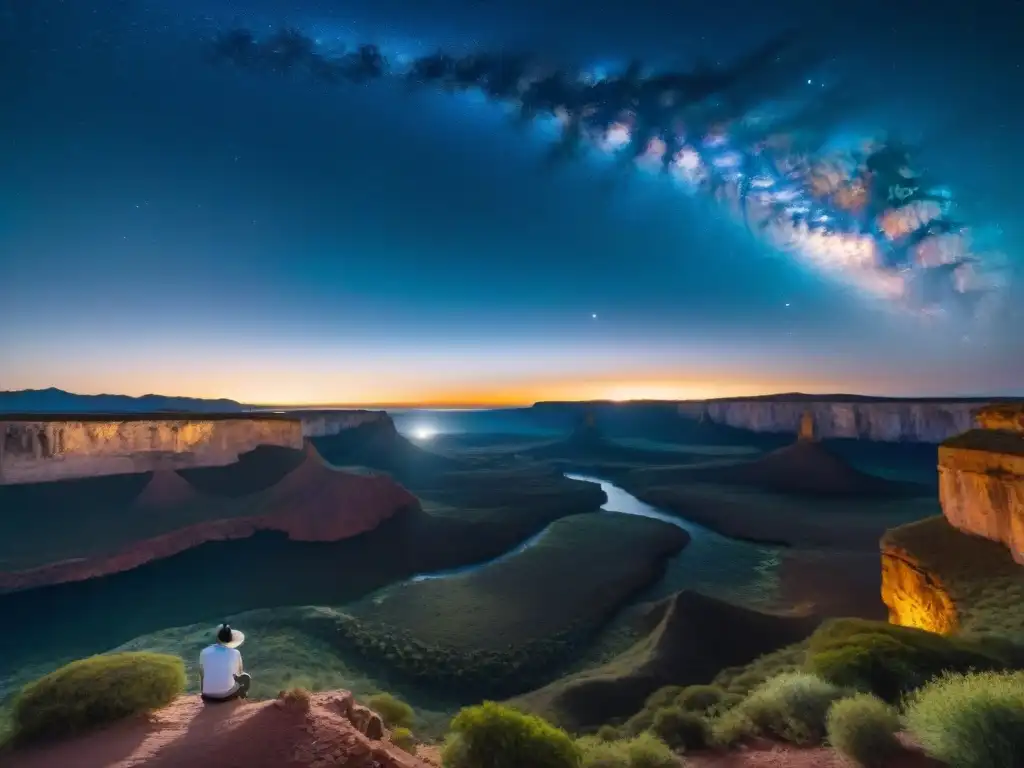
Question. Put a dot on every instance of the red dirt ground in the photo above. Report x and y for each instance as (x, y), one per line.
(772, 755)
(258, 734)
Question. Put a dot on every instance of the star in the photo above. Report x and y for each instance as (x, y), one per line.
(593, 316)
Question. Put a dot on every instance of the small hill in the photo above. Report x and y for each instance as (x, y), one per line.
(804, 468)
(696, 637)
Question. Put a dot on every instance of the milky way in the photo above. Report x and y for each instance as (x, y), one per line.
(751, 135)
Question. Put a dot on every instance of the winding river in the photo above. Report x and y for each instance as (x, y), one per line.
(711, 563)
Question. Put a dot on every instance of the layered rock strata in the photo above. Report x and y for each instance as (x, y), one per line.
(864, 419)
(981, 478)
(48, 449)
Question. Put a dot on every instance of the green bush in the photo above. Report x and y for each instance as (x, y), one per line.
(643, 751)
(494, 736)
(701, 698)
(608, 733)
(95, 691)
(790, 707)
(972, 720)
(890, 660)
(863, 729)
(393, 711)
(681, 729)
(404, 739)
(663, 697)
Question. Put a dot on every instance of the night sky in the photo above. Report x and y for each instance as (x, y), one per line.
(171, 226)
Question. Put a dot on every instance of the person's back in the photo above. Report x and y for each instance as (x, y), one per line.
(220, 667)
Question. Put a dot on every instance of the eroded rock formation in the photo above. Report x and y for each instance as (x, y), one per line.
(914, 594)
(45, 450)
(934, 570)
(981, 478)
(862, 418)
(313, 502)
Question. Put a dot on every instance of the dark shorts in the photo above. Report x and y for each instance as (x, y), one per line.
(241, 691)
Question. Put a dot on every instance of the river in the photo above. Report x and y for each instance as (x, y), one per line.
(711, 563)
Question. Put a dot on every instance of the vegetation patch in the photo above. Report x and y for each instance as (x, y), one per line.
(94, 692)
(890, 660)
(683, 648)
(497, 628)
(971, 721)
(980, 576)
(393, 711)
(643, 751)
(863, 729)
(494, 736)
(792, 708)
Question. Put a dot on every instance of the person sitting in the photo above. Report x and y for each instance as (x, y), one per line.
(221, 677)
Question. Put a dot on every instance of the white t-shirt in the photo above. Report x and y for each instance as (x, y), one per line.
(220, 664)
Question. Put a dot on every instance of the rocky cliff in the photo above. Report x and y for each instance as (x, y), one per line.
(329, 423)
(45, 448)
(922, 421)
(60, 447)
(981, 478)
(951, 572)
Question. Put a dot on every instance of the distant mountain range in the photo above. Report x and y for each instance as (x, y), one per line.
(58, 401)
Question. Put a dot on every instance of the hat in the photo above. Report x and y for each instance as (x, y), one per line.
(229, 637)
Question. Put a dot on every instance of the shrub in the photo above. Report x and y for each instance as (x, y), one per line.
(393, 711)
(863, 728)
(639, 722)
(890, 660)
(790, 707)
(701, 698)
(643, 751)
(972, 720)
(608, 733)
(96, 691)
(663, 697)
(403, 739)
(494, 736)
(681, 729)
(296, 697)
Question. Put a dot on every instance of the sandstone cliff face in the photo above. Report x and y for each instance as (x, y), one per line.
(328, 423)
(44, 450)
(914, 596)
(886, 421)
(981, 480)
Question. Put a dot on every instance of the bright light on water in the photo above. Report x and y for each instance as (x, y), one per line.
(423, 433)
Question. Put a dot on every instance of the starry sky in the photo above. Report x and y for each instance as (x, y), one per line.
(171, 226)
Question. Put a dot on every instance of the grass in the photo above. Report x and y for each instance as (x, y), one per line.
(503, 626)
(971, 721)
(643, 751)
(889, 660)
(494, 736)
(94, 692)
(984, 583)
(863, 729)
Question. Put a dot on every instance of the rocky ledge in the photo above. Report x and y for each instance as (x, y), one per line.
(296, 730)
(981, 478)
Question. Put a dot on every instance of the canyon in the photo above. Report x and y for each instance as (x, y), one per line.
(39, 448)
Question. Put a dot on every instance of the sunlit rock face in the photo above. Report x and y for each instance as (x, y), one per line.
(981, 478)
(914, 596)
(881, 420)
(33, 451)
